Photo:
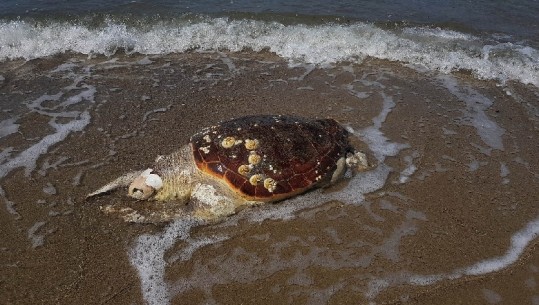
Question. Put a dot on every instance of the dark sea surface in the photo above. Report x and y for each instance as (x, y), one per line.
(443, 97)
(515, 18)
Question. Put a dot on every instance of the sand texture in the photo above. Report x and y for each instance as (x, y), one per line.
(449, 214)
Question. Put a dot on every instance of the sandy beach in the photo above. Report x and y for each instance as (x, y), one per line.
(448, 214)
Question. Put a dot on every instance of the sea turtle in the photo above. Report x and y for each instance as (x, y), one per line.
(243, 162)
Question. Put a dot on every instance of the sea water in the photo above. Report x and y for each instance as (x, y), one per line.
(446, 36)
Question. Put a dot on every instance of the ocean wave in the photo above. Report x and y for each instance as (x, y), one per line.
(431, 48)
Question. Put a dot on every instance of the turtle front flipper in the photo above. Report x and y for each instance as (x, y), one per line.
(122, 181)
(210, 201)
(159, 213)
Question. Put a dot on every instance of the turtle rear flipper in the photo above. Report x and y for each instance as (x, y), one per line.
(357, 161)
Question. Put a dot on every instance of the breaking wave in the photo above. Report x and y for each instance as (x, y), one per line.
(429, 48)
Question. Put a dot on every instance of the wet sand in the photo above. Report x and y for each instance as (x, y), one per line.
(455, 194)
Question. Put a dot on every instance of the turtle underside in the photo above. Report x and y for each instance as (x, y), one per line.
(267, 158)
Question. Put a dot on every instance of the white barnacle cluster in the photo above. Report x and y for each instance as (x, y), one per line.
(248, 170)
(228, 142)
(207, 140)
(205, 149)
(244, 170)
(270, 184)
(254, 158)
(251, 144)
(256, 179)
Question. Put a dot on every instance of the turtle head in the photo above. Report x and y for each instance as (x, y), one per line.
(145, 185)
(142, 184)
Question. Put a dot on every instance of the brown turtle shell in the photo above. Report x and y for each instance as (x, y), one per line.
(268, 158)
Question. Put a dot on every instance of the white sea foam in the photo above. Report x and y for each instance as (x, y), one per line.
(410, 167)
(56, 106)
(8, 127)
(504, 172)
(10, 205)
(374, 137)
(433, 49)
(476, 106)
(491, 296)
(37, 239)
(28, 157)
(449, 132)
(193, 245)
(149, 113)
(147, 255)
(49, 189)
(519, 241)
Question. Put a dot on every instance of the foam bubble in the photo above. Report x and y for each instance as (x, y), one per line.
(5, 153)
(36, 239)
(409, 170)
(49, 189)
(439, 34)
(492, 296)
(504, 172)
(473, 166)
(8, 127)
(425, 280)
(375, 287)
(149, 113)
(449, 132)
(65, 67)
(387, 106)
(64, 120)
(46, 165)
(10, 205)
(193, 245)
